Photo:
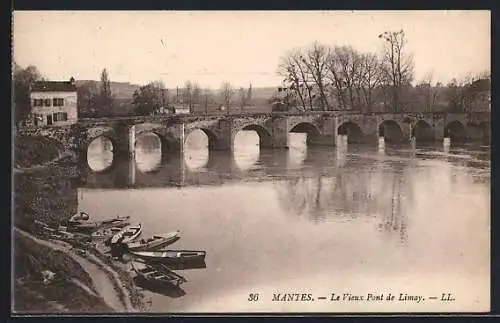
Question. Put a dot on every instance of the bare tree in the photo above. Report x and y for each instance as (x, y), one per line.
(316, 62)
(296, 77)
(187, 94)
(242, 97)
(346, 72)
(226, 94)
(195, 94)
(429, 92)
(370, 78)
(336, 78)
(397, 66)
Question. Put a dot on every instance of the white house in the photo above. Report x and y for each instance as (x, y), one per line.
(54, 103)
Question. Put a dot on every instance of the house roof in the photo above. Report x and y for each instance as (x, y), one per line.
(53, 86)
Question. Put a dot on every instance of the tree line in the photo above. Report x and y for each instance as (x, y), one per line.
(321, 77)
(317, 77)
(97, 100)
(154, 95)
(92, 100)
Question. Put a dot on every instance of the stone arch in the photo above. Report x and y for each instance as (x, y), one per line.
(212, 137)
(100, 168)
(352, 130)
(156, 129)
(265, 137)
(391, 131)
(165, 142)
(455, 130)
(312, 131)
(422, 131)
(107, 136)
(97, 132)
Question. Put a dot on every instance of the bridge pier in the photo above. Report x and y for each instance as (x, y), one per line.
(438, 128)
(124, 141)
(280, 133)
(322, 140)
(225, 137)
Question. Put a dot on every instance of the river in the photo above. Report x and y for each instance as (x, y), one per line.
(352, 219)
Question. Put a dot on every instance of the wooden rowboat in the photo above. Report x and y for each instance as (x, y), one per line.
(80, 217)
(118, 221)
(127, 234)
(171, 255)
(152, 274)
(103, 234)
(156, 242)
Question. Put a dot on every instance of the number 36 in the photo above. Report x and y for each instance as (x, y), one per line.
(253, 297)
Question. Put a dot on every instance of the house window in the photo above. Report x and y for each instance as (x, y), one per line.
(47, 102)
(57, 102)
(60, 116)
(38, 102)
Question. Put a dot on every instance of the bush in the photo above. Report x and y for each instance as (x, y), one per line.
(35, 150)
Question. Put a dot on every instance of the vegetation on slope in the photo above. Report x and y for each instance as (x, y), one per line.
(35, 150)
(62, 294)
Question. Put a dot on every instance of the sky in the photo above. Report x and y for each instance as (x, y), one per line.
(241, 47)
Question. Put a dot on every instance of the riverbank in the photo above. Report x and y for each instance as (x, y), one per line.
(94, 285)
(35, 151)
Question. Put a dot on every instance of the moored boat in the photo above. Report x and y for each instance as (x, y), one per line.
(152, 274)
(156, 242)
(116, 221)
(127, 234)
(80, 217)
(171, 255)
(105, 233)
(83, 227)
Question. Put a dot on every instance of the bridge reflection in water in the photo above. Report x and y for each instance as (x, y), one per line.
(317, 183)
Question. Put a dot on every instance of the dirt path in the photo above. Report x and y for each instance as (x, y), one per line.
(104, 286)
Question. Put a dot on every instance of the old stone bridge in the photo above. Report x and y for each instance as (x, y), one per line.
(322, 128)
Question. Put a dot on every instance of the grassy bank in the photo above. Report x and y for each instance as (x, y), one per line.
(63, 294)
(35, 150)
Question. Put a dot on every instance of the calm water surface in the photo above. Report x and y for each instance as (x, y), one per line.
(356, 219)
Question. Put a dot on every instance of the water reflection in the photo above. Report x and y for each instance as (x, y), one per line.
(197, 139)
(372, 214)
(162, 289)
(148, 152)
(196, 152)
(100, 154)
(246, 149)
(352, 192)
(297, 149)
(196, 159)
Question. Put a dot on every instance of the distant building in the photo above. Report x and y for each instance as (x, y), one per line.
(54, 103)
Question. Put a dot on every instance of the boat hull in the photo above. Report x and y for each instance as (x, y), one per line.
(172, 256)
(156, 244)
(157, 275)
(124, 238)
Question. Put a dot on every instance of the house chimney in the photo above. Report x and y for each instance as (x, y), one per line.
(72, 80)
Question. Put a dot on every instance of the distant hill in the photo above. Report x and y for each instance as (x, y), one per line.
(124, 91)
(120, 90)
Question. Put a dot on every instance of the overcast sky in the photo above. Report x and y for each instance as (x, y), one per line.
(240, 47)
